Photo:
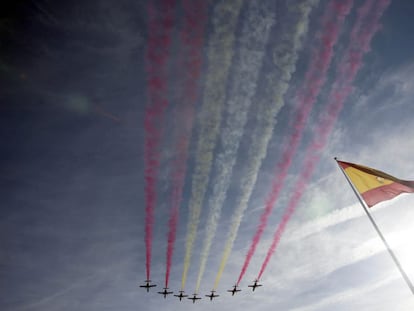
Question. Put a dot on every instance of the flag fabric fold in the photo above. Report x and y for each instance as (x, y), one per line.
(373, 185)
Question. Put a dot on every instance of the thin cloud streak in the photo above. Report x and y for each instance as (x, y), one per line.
(348, 294)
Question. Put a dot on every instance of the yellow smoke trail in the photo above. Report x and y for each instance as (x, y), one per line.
(252, 40)
(285, 55)
(220, 54)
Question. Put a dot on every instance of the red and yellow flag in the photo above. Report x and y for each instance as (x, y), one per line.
(373, 185)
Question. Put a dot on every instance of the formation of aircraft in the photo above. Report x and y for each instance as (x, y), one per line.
(254, 285)
(147, 285)
(194, 298)
(165, 292)
(181, 295)
(212, 295)
(234, 290)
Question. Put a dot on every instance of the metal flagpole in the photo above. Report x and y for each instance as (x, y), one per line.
(394, 258)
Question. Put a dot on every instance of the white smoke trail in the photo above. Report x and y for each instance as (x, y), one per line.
(277, 80)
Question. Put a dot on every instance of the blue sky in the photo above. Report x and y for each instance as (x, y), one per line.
(72, 212)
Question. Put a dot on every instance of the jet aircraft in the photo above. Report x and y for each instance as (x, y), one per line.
(165, 292)
(181, 295)
(234, 290)
(194, 298)
(147, 285)
(254, 285)
(211, 296)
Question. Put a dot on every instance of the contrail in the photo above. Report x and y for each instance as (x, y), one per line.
(285, 55)
(219, 56)
(254, 36)
(364, 29)
(191, 35)
(160, 24)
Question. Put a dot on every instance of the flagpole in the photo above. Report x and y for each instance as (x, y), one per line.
(394, 258)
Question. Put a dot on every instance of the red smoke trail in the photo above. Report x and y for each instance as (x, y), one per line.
(160, 24)
(332, 22)
(192, 36)
(367, 24)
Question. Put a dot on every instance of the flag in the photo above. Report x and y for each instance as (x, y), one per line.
(373, 185)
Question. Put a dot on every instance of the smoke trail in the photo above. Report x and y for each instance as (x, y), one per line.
(160, 24)
(315, 77)
(365, 27)
(220, 53)
(253, 38)
(195, 15)
(268, 105)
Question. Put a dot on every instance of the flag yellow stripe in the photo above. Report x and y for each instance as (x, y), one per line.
(277, 81)
(363, 181)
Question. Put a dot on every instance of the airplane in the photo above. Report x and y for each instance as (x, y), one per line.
(181, 296)
(234, 290)
(254, 285)
(165, 292)
(211, 296)
(147, 285)
(194, 298)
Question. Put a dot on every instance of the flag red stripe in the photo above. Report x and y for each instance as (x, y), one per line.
(383, 193)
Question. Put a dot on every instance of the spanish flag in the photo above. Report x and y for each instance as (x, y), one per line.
(373, 185)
